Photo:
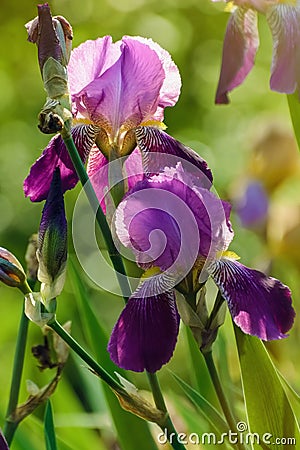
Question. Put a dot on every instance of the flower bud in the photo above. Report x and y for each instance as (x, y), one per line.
(11, 271)
(52, 242)
(52, 35)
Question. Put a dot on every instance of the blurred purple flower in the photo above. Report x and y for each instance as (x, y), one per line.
(241, 43)
(174, 225)
(252, 208)
(115, 87)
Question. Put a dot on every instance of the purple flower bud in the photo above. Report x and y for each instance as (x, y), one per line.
(52, 241)
(53, 36)
(11, 272)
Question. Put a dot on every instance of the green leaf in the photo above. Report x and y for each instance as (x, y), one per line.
(49, 429)
(207, 410)
(294, 106)
(269, 412)
(97, 338)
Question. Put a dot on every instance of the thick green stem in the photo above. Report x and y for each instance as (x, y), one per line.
(220, 394)
(114, 255)
(167, 427)
(10, 426)
(102, 373)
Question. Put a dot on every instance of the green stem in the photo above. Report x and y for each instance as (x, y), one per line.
(102, 373)
(114, 255)
(217, 305)
(10, 426)
(167, 427)
(220, 394)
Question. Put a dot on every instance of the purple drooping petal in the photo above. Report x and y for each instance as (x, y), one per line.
(284, 24)
(161, 150)
(168, 221)
(127, 93)
(239, 50)
(37, 184)
(145, 334)
(252, 207)
(89, 61)
(259, 305)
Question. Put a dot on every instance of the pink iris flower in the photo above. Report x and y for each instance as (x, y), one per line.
(115, 88)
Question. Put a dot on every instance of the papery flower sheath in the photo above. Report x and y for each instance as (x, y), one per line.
(174, 226)
(241, 43)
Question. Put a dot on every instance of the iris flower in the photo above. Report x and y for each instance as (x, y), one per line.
(241, 43)
(174, 226)
(115, 88)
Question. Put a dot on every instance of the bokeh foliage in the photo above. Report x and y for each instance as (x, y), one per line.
(192, 31)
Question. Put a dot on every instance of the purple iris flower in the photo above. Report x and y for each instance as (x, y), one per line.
(115, 88)
(241, 43)
(175, 226)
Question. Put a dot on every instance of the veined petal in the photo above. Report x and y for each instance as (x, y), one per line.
(160, 150)
(145, 334)
(259, 305)
(128, 92)
(37, 184)
(240, 45)
(284, 24)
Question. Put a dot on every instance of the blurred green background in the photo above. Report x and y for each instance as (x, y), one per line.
(231, 138)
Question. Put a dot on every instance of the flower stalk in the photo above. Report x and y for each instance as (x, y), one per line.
(167, 425)
(210, 364)
(11, 426)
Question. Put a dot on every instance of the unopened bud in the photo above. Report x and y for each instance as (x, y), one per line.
(11, 271)
(52, 242)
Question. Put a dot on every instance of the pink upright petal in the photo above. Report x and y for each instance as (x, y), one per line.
(239, 50)
(37, 184)
(259, 305)
(284, 23)
(90, 60)
(128, 92)
(170, 89)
